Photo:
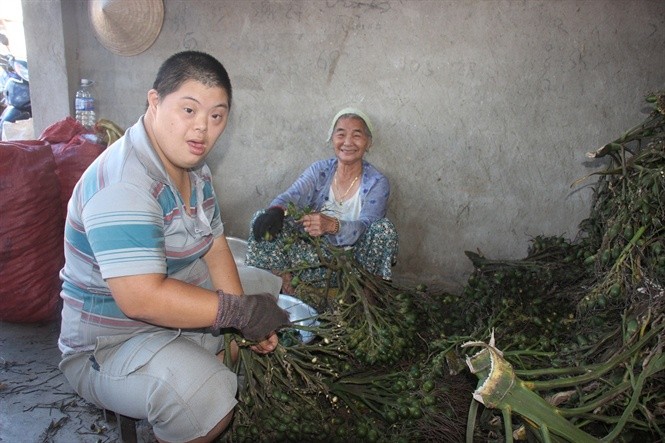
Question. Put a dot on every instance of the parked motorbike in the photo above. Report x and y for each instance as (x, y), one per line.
(15, 86)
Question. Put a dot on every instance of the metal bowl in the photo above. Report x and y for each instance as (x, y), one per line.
(301, 314)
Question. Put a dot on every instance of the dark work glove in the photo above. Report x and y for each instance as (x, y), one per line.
(269, 224)
(254, 315)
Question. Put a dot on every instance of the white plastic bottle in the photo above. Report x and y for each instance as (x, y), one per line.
(85, 104)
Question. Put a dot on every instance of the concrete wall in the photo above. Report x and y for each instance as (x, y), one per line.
(483, 109)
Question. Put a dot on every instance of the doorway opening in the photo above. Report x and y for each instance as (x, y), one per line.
(15, 107)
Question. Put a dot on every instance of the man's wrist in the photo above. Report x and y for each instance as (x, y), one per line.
(229, 311)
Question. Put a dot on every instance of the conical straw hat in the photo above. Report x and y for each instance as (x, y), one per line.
(126, 27)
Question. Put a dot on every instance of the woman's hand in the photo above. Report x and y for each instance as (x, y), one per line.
(269, 224)
(317, 224)
(266, 346)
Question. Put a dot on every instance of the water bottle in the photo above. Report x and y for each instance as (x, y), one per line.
(85, 105)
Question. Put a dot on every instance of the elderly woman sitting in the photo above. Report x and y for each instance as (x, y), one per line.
(345, 198)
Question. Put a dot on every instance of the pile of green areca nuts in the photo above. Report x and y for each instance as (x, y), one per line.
(571, 337)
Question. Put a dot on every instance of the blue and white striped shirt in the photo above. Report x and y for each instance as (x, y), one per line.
(125, 217)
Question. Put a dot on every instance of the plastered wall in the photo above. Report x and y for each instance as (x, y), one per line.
(483, 110)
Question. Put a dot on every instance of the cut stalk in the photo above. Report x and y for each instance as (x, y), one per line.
(499, 388)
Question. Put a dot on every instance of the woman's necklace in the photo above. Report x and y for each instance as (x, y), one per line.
(340, 200)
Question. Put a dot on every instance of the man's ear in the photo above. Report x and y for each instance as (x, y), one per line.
(153, 98)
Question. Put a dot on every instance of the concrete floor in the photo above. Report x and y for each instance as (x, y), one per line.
(37, 405)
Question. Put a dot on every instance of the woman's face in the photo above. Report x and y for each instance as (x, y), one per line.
(185, 124)
(350, 140)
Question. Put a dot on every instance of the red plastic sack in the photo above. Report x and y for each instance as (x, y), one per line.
(72, 159)
(31, 232)
(62, 131)
(73, 153)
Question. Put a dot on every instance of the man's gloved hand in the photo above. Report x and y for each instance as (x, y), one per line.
(269, 224)
(254, 315)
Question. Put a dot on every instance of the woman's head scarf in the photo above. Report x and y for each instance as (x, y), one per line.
(352, 111)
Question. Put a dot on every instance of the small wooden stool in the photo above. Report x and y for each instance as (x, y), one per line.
(126, 427)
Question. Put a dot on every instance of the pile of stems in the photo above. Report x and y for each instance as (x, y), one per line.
(605, 372)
